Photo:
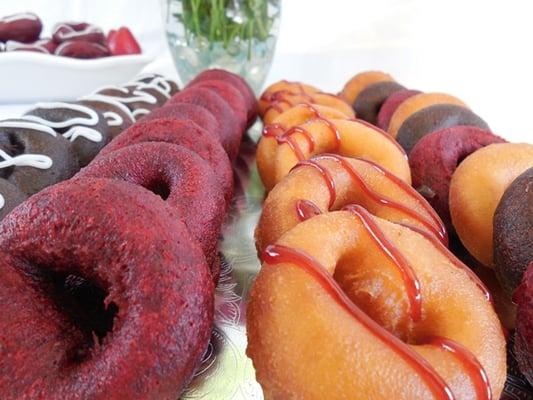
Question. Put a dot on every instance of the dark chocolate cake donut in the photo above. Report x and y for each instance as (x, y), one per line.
(140, 102)
(84, 127)
(10, 197)
(117, 115)
(184, 180)
(184, 133)
(434, 118)
(513, 232)
(155, 282)
(169, 86)
(368, 103)
(34, 156)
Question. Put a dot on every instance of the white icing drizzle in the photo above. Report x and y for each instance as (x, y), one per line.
(141, 86)
(13, 45)
(83, 131)
(72, 33)
(136, 96)
(39, 161)
(109, 100)
(2, 202)
(28, 125)
(19, 17)
(73, 133)
(156, 80)
(113, 119)
(140, 111)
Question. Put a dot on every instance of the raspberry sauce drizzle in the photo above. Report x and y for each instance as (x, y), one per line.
(410, 280)
(277, 254)
(470, 363)
(454, 260)
(306, 209)
(440, 232)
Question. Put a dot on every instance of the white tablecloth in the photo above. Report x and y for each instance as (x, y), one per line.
(478, 50)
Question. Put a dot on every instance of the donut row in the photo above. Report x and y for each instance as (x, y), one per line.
(357, 279)
(108, 278)
(52, 141)
(22, 31)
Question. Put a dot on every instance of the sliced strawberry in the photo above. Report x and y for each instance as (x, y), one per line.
(122, 42)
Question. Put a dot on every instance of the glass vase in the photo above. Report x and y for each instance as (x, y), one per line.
(236, 35)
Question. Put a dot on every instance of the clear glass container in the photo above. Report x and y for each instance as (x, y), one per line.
(237, 35)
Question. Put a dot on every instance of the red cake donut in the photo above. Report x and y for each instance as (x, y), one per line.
(190, 112)
(184, 133)
(391, 104)
(153, 276)
(81, 49)
(238, 82)
(22, 27)
(183, 179)
(231, 128)
(79, 31)
(435, 157)
(229, 93)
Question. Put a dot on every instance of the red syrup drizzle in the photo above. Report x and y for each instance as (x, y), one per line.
(470, 363)
(454, 260)
(412, 285)
(328, 179)
(306, 209)
(277, 254)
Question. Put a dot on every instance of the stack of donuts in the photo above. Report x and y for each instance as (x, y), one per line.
(358, 294)
(108, 277)
(52, 141)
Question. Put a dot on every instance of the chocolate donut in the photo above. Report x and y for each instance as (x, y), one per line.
(391, 104)
(81, 49)
(184, 180)
(434, 118)
(435, 157)
(523, 345)
(231, 130)
(77, 31)
(513, 232)
(34, 156)
(22, 27)
(184, 133)
(140, 102)
(188, 112)
(153, 276)
(10, 197)
(117, 115)
(368, 103)
(235, 80)
(85, 128)
(169, 86)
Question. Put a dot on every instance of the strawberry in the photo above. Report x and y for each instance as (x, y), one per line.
(122, 42)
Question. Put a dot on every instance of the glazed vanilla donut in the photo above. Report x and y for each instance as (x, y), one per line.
(329, 182)
(360, 82)
(344, 137)
(476, 188)
(274, 90)
(282, 101)
(417, 103)
(348, 305)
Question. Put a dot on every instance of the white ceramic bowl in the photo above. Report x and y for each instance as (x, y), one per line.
(29, 76)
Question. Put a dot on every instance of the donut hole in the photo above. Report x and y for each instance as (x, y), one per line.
(84, 303)
(159, 186)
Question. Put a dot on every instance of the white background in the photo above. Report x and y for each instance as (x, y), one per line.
(479, 51)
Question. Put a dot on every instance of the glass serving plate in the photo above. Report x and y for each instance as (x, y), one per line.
(226, 372)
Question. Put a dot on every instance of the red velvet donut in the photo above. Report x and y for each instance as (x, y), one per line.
(189, 112)
(230, 94)
(230, 131)
(184, 133)
(238, 82)
(435, 157)
(153, 276)
(391, 104)
(183, 179)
